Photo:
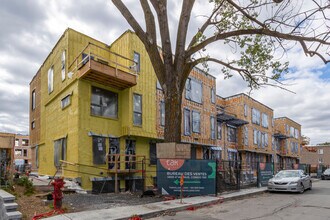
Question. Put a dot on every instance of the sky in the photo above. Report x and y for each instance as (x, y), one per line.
(30, 29)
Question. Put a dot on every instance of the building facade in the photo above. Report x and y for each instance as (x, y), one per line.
(97, 113)
(287, 135)
(316, 155)
(22, 150)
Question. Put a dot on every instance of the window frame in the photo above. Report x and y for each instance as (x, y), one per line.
(193, 112)
(50, 78)
(189, 90)
(212, 128)
(33, 100)
(102, 92)
(213, 95)
(255, 116)
(66, 104)
(219, 131)
(229, 134)
(99, 159)
(63, 66)
(264, 120)
(162, 113)
(186, 130)
(137, 111)
(60, 151)
(137, 62)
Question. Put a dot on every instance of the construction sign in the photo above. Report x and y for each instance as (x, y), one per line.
(194, 177)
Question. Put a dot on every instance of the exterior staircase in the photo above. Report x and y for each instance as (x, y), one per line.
(8, 207)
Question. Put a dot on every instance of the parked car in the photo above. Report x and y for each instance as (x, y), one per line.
(290, 181)
(326, 174)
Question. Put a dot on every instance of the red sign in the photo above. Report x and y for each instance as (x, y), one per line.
(171, 164)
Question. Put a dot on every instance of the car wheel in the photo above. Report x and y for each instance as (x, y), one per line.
(302, 190)
(310, 185)
(322, 178)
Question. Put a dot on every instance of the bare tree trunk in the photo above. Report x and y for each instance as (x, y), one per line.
(173, 112)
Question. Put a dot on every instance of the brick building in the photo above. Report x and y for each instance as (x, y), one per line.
(315, 155)
(22, 150)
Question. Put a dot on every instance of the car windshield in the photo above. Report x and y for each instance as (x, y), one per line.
(327, 171)
(284, 174)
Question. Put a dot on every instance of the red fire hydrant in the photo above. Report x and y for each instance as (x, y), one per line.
(57, 194)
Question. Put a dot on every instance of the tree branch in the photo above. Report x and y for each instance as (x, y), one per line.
(262, 31)
(131, 20)
(187, 6)
(150, 21)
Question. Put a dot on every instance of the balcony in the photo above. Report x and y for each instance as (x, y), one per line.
(98, 64)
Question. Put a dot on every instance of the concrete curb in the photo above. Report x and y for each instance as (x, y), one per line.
(158, 208)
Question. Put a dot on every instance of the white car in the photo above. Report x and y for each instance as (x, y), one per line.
(290, 181)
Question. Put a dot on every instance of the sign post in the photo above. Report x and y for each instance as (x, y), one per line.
(181, 185)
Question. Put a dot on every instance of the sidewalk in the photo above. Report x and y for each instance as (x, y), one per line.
(154, 209)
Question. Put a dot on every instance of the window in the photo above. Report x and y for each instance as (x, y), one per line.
(273, 122)
(16, 142)
(320, 151)
(246, 107)
(287, 128)
(33, 101)
(59, 151)
(25, 142)
(33, 125)
(212, 95)
(186, 121)
(50, 79)
(137, 61)
(25, 152)
(194, 90)
(153, 153)
(273, 143)
(114, 148)
(66, 101)
(215, 154)
(196, 121)
(219, 130)
(264, 120)
(137, 109)
(246, 136)
(291, 131)
(212, 120)
(255, 116)
(104, 103)
(18, 152)
(320, 160)
(231, 135)
(63, 65)
(37, 156)
(206, 153)
(162, 113)
(264, 140)
(257, 138)
(99, 151)
(296, 133)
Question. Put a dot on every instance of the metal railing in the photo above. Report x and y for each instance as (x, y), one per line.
(105, 56)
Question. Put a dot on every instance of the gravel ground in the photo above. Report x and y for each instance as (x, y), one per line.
(82, 202)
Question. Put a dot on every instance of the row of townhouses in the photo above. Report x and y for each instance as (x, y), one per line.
(98, 110)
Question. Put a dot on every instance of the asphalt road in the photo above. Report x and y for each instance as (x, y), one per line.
(312, 205)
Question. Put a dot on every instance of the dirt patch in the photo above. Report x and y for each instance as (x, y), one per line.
(74, 202)
(29, 205)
